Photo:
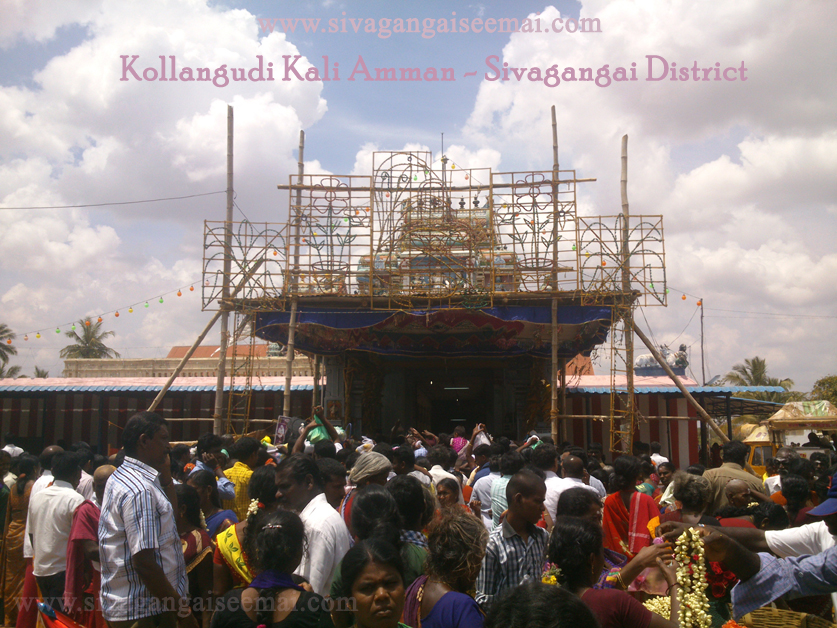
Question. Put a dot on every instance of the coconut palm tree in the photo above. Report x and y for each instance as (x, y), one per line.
(9, 372)
(89, 344)
(6, 350)
(41, 373)
(753, 372)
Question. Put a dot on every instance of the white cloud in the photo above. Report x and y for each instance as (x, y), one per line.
(82, 136)
(38, 20)
(746, 228)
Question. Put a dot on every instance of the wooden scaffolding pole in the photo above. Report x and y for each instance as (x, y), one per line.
(563, 416)
(289, 360)
(218, 425)
(626, 292)
(553, 381)
(315, 398)
(200, 338)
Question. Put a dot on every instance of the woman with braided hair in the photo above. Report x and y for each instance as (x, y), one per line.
(439, 599)
(274, 598)
(231, 563)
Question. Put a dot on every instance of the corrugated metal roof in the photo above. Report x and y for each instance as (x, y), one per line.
(144, 384)
(644, 390)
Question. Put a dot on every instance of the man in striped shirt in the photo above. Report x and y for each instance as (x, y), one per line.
(144, 580)
(516, 547)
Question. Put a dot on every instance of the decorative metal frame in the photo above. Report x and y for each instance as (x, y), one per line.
(417, 235)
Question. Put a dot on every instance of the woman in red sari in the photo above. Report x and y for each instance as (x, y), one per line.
(627, 512)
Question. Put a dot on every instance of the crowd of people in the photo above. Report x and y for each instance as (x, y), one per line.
(423, 531)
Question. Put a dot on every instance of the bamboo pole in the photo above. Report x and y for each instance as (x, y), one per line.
(200, 338)
(563, 400)
(604, 417)
(316, 394)
(701, 412)
(289, 359)
(553, 381)
(702, 363)
(225, 289)
(626, 293)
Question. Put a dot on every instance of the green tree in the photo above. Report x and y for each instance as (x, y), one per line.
(825, 388)
(89, 344)
(9, 372)
(6, 350)
(41, 373)
(753, 372)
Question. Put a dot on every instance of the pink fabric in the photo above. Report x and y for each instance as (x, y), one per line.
(457, 442)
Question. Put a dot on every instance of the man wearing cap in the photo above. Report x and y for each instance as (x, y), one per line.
(370, 468)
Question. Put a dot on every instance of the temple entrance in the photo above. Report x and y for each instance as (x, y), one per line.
(462, 399)
(445, 398)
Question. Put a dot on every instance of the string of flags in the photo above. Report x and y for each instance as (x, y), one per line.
(144, 303)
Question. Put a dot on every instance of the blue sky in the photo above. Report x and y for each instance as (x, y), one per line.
(741, 171)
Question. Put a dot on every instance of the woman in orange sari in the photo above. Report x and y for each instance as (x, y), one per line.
(14, 565)
(627, 512)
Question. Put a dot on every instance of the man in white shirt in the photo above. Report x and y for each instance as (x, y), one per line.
(592, 481)
(14, 450)
(49, 521)
(404, 463)
(545, 458)
(573, 470)
(440, 458)
(299, 487)
(40, 484)
(656, 448)
(482, 492)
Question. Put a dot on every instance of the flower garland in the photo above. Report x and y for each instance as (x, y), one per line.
(659, 605)
(254, 507)
(691, 579)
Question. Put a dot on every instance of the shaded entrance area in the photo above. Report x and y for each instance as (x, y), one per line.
(451, 398)
(437, 368)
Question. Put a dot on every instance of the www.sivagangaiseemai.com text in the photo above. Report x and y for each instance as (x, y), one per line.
(427, 27)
